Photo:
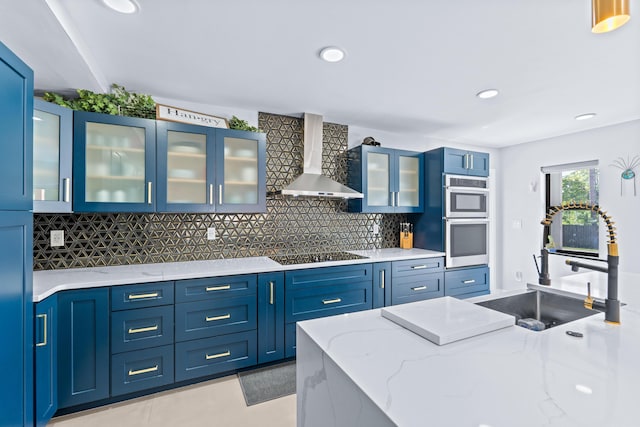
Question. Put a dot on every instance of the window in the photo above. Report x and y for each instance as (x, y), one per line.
(574, 231)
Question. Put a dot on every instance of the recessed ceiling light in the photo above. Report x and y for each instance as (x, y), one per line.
(332, 54)
(585, 116)
(122, 6)
(487, 93)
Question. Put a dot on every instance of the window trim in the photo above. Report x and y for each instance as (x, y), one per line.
(547, 171)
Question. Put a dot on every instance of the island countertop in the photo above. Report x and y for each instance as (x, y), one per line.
(509, 377)
(48, 282)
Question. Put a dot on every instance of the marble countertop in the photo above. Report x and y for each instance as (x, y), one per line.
(508, 377)
(48, 282)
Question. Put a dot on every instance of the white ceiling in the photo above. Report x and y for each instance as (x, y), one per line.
(412, 66)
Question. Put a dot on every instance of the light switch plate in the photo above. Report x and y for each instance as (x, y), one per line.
(57, 238)
(211, 233)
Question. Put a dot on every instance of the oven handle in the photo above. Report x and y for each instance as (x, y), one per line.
(452, 188)
(463, 220)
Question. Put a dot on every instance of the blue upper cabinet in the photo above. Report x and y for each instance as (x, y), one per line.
(52, 144)
(463, 162)
(391, 180)
(241, 159)
(114, 163)
(16, 124)
(186, 164)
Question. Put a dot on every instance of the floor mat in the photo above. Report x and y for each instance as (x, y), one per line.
(263, 384)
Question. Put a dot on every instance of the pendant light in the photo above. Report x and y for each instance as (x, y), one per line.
(607, 15)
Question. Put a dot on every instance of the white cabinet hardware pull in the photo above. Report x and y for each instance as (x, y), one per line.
(44, 327)
(147, 329)
(210, 194)
(143, 371)
(67, 190)
(382, 279)
(331, 301)
(217, 288)
(471, 157)
(419, 288)
(271, 293)
(140, 296)
(220, 194)
(418, 267)
(468, 282)
(149, 184)
(215, 356)
(214, 318)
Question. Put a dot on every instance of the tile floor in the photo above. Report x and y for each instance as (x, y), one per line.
(218, 402)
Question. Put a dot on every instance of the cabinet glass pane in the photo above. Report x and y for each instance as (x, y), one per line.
(46, 156)
(409, 181)
(240, 171)
(115, 166)
(186, 167)
(378, 179)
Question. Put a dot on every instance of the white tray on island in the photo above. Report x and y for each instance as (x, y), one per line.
(445, 320)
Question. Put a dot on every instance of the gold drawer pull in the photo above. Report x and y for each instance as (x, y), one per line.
(143, 371)
(214, 318)
(418, 267)
(419, 288)
(215, 356)
(140, 296)
(331, 301)
(44, 329)
(147, 329)
(218, 288)
(468, 282)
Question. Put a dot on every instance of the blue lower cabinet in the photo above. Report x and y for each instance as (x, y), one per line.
(141, 328)
(270, 317)
(327, 300)
(417, 288)
(290, 339)
(46, 369)
(142, 369)
(128, 297)
(215, 355)
(202, 319)
(467, 282)
(83, 346)
(215, 287)
(381, 284)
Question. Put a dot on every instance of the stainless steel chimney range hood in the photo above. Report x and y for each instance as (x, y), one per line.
(312, 183)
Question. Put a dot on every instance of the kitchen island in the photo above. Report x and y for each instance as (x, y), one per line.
(361, 369)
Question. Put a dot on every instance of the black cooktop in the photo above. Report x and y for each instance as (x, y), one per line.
(311, 258)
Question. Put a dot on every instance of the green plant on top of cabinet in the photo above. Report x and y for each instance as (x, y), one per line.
(114, 163)
(391, 180)
(463, 162)
(203, 169)
(52, 144)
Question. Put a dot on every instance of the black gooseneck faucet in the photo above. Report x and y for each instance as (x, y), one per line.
(611, 304)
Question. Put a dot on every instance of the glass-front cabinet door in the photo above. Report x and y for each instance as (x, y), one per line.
(409, 194)
(378, 184)
(114, 163)
(52, 142)
(185, 168)
(241, 171)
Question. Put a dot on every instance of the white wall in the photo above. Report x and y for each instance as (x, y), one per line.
(520, 167)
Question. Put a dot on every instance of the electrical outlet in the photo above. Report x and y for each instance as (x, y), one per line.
(518, 276)
(211, 233)
(376, 229)
(57, 238)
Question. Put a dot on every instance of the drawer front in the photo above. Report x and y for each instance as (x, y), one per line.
(142, 369)
(203, 319)
(414, 267)
(214, 355)
(472, 280)
(417, 288)
(323, 301)
(142, 328)
(215, 287)
(313, 277)
(143, 295)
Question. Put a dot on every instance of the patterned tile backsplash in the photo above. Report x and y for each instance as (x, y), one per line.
(290, 225)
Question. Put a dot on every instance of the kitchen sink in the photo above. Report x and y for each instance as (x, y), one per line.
(554, 309)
